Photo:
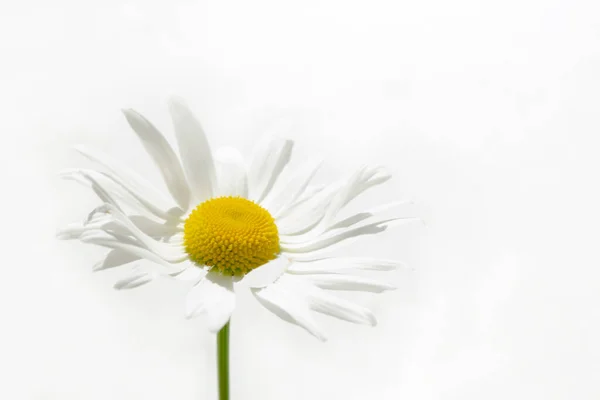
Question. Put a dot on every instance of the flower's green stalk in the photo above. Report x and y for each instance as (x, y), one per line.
(223, 362)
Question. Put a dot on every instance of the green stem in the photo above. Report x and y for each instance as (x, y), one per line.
(223, 362)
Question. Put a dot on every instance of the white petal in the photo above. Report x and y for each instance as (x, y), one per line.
(285, 300)
(98, 221)
(139, 198)
(190, 273)
(212, 296)
(153, 228)
(302, 222)
(126, 175)
(107, 233)
(71, 231)
(267, 164)
(364, 216)
(134, 280)
(265, 274)
(325, 303)
(332, 265)
(164, 250)
(114, 258)
(135, 250)
(368, 222)
(351, 221)
(287, 194)
(163, 155)
(194, 150)
(310, 172)
(89, 181)
(359, 182)
(258, 166)
(94, 222)
(332, 239)
(306, 216)
(169, 215)
(231, 173)
(348, 282)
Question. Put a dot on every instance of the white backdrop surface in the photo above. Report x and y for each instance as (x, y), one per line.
(486, 113)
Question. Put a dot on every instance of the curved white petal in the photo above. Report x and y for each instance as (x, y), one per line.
(307, 197)
(364, 216)
(168, 215)
(286, 194)
(163, 155)
(190, 273)
(333, 265)
(214, 297)
(268, 162)
(155, 229)
(287, 302)
(142, 200)
(194, 150)
(265, 274)
(135, 279)
(258, 167)
(348, 282)
(89, 181)
(370, 221)
(332, 239)
(97, 221)
(301, 223)
(164, 250)
(351, 221)
(126, 175)
(305, 217)
(323, 302)
(359, 182)
(94, 222)
(72, 231)
(114, 258)
(107, 232)
(136, 250)
(231, 173)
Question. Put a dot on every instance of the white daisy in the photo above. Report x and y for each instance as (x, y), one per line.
(229, 222)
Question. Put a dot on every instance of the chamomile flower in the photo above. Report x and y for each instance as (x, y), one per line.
(261, 224)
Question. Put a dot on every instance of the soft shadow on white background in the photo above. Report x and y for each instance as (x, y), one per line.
(486, 113)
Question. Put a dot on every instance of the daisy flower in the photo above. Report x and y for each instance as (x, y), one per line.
(260, 224)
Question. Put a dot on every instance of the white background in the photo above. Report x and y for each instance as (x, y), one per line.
(486, 113)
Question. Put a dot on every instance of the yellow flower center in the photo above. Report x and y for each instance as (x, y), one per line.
(231, 234)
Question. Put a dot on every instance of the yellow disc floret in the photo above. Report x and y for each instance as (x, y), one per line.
(230, 234)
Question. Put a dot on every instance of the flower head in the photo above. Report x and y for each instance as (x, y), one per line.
(261, 224)
(231, 235)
